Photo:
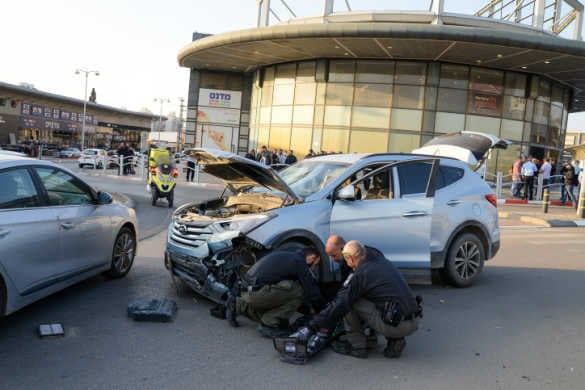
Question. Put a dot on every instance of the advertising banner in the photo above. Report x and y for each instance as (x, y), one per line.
(217, 137)
(218, 118)
(25, 109)
(220, 98)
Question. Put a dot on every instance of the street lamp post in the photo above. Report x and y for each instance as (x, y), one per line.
(161, 100)
(87, 73)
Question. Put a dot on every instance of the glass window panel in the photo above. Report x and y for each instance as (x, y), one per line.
(556, 116)
(538, 134)
(370, 117)
(363, 141)
(303, 115)
(374, 95)
(454, 76)
(408, 96)
(341, 71)
(403, 143)
(281, 115)
(339, 94)
(279, 137)
(512, 130)
(484, 104)
(452, 100)
(263, 133)
(375, 72)
(410, 73)
(514, 107)
(406, 119)
(300, 141)
(285, 74)
(553, 136)
(306, 72)
(305, 93)
(507, 157)
(557, 95)
(515, 84)
(483, 124)
(283, 94)
(269, 74)
(335, 140)
(544, 90)
(320, 95)
(317, 138)
(447, 122)
(266, 99)
(265, 115)
(487, 81)
(319, 115)
(337, 115)
(541, 112)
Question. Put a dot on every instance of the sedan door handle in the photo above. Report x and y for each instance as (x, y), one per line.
(415, 214)
(454, 202)
(67, 225)
(4, 233)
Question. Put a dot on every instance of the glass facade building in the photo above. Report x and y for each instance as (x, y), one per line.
(395, 106)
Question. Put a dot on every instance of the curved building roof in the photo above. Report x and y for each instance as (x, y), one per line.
(409, 35)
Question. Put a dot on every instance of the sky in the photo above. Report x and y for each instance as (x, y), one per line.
(134, 43)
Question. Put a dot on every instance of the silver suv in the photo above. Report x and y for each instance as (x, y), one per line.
(424, 212)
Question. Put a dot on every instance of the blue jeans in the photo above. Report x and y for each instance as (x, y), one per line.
(564, 193)
(516, 187)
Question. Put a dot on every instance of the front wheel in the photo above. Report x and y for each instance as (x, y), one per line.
(154, 195)
(123, 253)
(170, 198)
(464, 261)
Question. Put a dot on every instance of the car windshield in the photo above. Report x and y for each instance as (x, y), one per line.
(90, 152)
(307, 177)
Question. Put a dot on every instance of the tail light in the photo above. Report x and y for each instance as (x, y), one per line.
(492, 199)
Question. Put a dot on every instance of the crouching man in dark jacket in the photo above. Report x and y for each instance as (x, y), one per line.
(278, 284)
(375, 295)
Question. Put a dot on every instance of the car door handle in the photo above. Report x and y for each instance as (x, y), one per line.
(454, 202)
(67, 225)
(4, 233)
(415, 214)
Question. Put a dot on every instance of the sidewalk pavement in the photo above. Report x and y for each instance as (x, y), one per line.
(514, 214)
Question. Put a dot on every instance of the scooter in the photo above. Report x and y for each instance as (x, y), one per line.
(162, 179)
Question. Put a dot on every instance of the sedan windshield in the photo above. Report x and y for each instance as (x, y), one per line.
(307, 177)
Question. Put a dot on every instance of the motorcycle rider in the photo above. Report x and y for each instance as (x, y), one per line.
(375, 295)
(278, 284)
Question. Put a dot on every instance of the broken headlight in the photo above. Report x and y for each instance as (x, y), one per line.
(245, 224)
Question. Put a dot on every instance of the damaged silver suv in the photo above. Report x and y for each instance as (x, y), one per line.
(424, 212)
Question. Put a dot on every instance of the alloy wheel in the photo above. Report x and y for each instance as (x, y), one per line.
(124, 250)
(467, 260)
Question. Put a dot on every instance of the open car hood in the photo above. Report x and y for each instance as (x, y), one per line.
(469, 146)
(237, 171)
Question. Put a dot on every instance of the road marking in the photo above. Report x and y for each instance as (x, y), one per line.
(552, 242)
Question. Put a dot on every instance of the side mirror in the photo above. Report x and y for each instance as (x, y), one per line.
(104, 198)
(346, 193)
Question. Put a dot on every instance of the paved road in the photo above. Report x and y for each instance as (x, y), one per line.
(520, 327)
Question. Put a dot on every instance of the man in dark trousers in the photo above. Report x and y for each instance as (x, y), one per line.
(375, 295)
(278, 284)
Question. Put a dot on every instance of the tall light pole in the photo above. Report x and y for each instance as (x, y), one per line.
(162, 101)
(87, 73)
(180, 127)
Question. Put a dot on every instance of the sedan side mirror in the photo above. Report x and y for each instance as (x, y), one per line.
(104, 198)
(346, 193)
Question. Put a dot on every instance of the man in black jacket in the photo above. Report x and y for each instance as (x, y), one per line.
(375, 295)
(278, 284)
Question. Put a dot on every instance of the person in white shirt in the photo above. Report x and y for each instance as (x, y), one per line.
(527, 172)
(545, 170)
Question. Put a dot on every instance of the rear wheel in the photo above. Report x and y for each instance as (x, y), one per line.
(123, 253)
(170, 198)
(464, 261)
(154, 195)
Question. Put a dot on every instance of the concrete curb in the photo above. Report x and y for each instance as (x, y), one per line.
(553, 223)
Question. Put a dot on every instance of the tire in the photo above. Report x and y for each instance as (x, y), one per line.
(291, 245)
(123, 253)
(170, 198)
(464, 261)
(81, 166)
(154, 195)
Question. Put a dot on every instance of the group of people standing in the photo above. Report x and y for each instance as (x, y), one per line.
(525, 171)
(267, 157)
(126, 155)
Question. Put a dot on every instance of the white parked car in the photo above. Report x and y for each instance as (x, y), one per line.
(94, 158)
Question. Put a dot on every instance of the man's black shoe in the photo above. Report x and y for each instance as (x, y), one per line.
(394, 348)
(230, 312)
(345, 348)
(218, 311)
(272, 332)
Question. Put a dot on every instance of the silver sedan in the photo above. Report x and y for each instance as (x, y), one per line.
(56, 230)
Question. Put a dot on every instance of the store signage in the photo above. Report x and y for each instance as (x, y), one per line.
(220, 98)
(218, 116)
(25, 109)
(48, 113)
(486, 102)
(37, 110)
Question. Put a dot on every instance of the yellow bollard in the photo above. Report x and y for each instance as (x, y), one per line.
(545, 200)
